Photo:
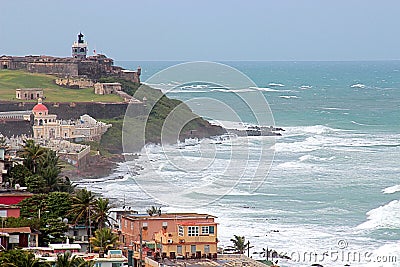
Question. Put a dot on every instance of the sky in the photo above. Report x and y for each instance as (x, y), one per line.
(216, 30)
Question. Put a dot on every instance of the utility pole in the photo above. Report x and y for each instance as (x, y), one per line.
(90, 233)
(140, 246)
(248, 248)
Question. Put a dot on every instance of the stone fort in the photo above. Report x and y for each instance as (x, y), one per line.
(78, 65)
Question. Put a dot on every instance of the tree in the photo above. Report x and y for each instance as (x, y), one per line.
(103, 240)
(82, 205)
(59, 203)
(19, 258)
(239, 243)
(36, 184)
(154, 211)
(102, 212)
(49, 168)
(65, 260)
(32, 154)
(30, 206)
(52, 231)
(18, 174)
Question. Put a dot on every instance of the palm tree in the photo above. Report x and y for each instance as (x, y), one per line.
(239, 243)
(82, 204)
(32, 154)
(102, 212)
(50, 168)
(20, 258)
(103, 240)
(154, 211)
(82, 208)
(65, 260)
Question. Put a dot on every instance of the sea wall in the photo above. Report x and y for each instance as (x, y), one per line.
(67, 111)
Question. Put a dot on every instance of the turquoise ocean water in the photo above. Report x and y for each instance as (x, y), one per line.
(334, 184)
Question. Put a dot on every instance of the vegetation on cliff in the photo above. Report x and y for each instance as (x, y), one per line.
(158, 108)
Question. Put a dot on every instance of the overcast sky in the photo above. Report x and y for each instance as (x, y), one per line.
(205, 30)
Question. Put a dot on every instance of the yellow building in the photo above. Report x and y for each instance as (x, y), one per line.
(189, 240)
(46, 126)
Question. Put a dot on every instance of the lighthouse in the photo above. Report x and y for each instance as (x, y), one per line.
(79, 48)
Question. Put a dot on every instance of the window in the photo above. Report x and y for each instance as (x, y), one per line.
(204, 230)
(211, 229)
(206, 248)
(193, 230)
(179, 249)
(116, 264)
(97, 264)
(126, 224)
(132, 226)
(193, 248)
(180, 230)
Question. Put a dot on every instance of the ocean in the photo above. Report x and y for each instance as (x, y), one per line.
(331, 193)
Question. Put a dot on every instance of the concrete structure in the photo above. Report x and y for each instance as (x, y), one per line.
(16, 115)
(190, 239)
(46, 126)
(11, 238)
(107, 88)
(79, 48)
(66, 247)
(117, 213)
(188, 235)
(79, 65)
(75, 83)
(28, 93)
(114, 258)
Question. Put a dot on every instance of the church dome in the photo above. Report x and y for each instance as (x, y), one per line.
(40, 107)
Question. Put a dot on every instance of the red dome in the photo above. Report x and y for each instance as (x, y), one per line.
(40, 107)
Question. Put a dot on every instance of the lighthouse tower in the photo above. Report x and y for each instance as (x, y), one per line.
(79, 48)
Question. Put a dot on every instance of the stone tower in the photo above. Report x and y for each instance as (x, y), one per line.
(79, 48)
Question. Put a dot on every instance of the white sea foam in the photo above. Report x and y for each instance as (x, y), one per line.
(358, 85)
(314, 158)
(276, 84)
(304, 87)
(386, 216)
(391, 189)
(333, 108)
(288, 96)
(315, 129)
(267, 89)
(243, 90)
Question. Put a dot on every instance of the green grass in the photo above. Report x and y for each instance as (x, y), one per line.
(13, 79)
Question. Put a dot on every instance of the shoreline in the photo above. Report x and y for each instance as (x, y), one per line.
(98, 167)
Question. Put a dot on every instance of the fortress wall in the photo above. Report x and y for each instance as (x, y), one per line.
(60, 68)
(91, 69)
(67, 111)
(15, 127)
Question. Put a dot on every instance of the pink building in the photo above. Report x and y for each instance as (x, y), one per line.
(7, 211)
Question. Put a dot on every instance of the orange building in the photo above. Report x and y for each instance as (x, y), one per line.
(180, 234)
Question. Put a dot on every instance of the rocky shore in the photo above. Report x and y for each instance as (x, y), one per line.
(98, 166)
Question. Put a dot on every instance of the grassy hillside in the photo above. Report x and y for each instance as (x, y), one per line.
(159, 107)
(12, 79)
